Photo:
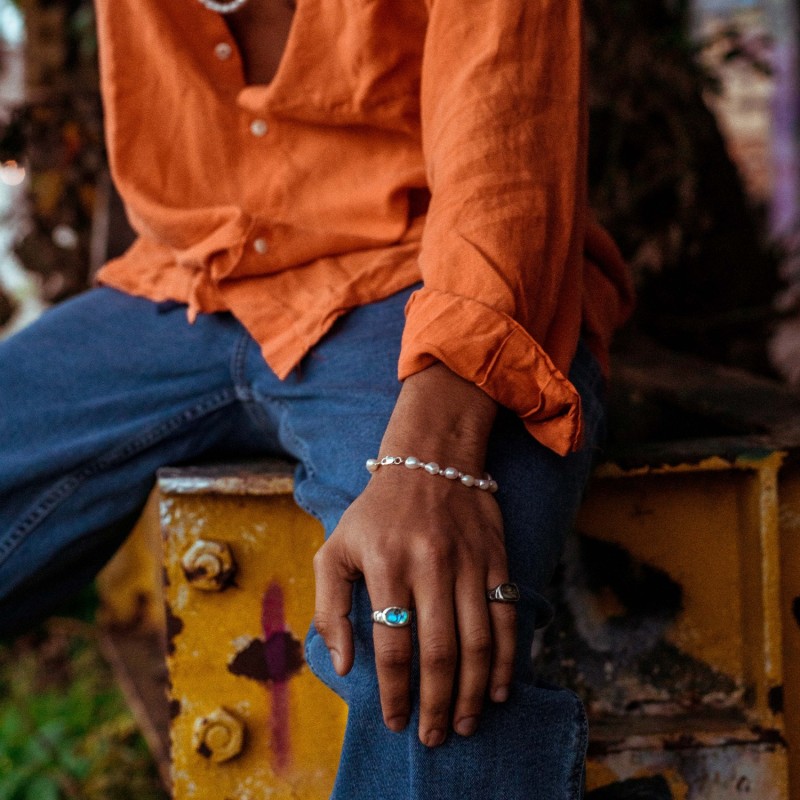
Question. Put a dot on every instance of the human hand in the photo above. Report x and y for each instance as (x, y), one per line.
(430, 544)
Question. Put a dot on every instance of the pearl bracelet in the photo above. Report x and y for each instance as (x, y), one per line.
(432, 468)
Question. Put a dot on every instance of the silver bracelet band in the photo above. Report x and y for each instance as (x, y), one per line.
(486, 483)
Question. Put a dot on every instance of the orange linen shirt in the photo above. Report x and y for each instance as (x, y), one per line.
(289, 203)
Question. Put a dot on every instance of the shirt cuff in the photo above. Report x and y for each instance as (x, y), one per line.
(493, 351)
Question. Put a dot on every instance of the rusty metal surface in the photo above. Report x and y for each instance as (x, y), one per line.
(789, 696)
(263, 477)
(130, 586)
(138, 661)
(250, 721)
(678, 622)
(670, 625)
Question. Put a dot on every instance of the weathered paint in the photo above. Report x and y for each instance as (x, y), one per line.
(130, 585)
(704, 694)
(240, 649)
(789, 493)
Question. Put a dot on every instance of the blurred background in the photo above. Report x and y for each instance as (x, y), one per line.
(694, 164)
(694, 168)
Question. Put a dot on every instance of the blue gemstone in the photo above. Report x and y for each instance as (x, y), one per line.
(396, 616)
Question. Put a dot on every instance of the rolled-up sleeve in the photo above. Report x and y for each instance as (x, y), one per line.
(504, 138)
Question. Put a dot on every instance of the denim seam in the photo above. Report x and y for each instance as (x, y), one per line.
(579, 749)
(246, 394)
(237, 367)
(299, 449)
(67, 485)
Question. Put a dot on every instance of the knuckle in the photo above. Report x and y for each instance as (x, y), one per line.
(438, 656)
(477, 645)
(381, 566)
(393, 658)
(320, 560)
(324, 623)
(436, 554)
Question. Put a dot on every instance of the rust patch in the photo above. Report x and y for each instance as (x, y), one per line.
(174, 627)
(640, 588)
(250, 662)
(224, 579)
(775, 699)
(768, 735)
(277, 659)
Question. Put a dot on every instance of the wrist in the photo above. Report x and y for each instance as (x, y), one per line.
(441, 417)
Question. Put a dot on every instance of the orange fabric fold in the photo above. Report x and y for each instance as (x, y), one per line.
(400, 141)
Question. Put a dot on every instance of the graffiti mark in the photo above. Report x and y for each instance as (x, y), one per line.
(174, 627)
(272, 624)
(277, 659)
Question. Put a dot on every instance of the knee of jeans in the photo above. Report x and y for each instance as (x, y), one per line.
(360, 678)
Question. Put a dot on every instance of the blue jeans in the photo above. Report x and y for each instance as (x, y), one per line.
(106, 388)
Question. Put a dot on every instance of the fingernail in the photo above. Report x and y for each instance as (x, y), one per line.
(396, 724)
(337, 660)
(500, 694)
(467, 726)
(433, 738)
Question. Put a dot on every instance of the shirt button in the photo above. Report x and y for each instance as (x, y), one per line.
(223, 51)
(258, 127)
(260, 246)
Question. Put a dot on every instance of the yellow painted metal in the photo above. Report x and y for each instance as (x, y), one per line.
(715, 533)
(292, 729)
(130, 585)
(712, 526)
(728, 532)
(790, 608)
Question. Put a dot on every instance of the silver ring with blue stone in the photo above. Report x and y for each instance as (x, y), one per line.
(504, 593)
(392, 617)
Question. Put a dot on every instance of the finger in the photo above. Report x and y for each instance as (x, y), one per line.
(334, 599)
(393, 654)
(438, 652)
(475, 652)
(503, 620)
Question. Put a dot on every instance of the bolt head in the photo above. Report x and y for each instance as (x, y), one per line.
(218, 736)
(209, 565)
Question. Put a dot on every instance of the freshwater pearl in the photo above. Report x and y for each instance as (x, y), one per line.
(432, 468)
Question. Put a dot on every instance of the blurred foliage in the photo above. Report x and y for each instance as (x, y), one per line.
(58, 134)
(663, 183)
(65, 732)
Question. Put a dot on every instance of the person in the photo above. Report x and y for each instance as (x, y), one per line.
(362, 233)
